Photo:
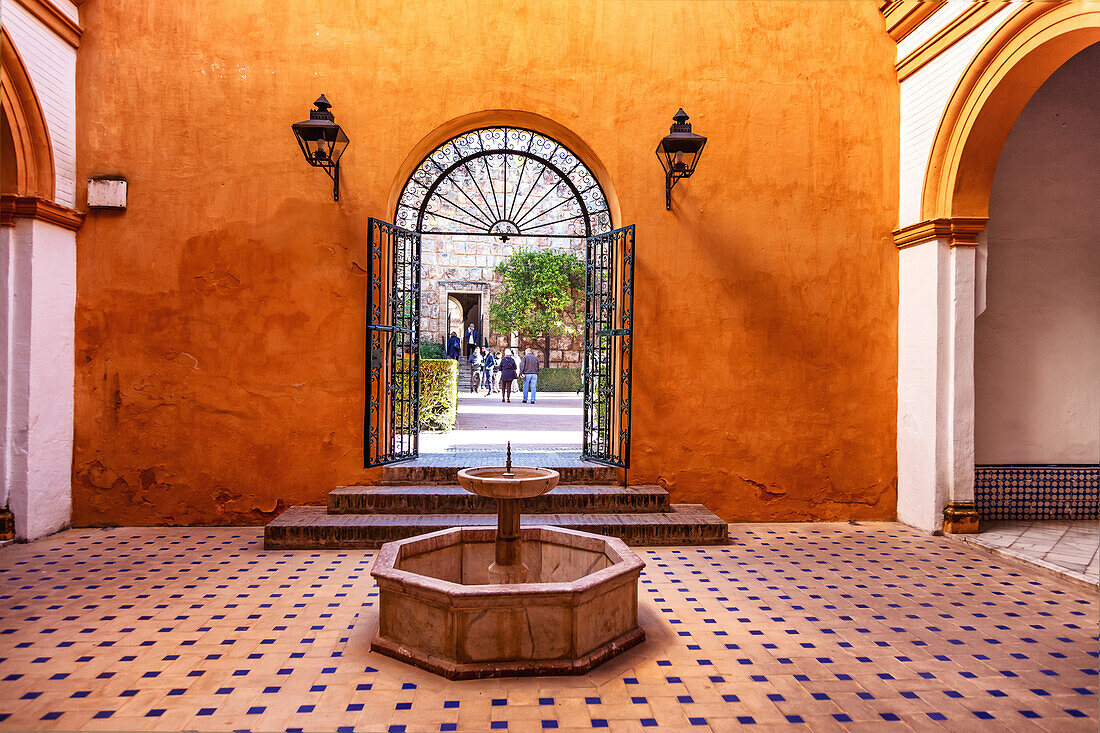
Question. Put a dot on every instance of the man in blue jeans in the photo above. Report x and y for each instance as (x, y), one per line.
(529, 369)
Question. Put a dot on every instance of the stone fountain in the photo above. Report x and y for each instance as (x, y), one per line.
(472, 602)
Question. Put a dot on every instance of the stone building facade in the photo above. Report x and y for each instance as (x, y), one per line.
(458, 283)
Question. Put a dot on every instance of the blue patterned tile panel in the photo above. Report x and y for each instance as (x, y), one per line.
(1034, 492)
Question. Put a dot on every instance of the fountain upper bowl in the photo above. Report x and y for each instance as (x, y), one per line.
(525, 483)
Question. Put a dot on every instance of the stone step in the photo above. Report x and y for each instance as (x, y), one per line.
(405, 475)
(313, 528)
(435, 499)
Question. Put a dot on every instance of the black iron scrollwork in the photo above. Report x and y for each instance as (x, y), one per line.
(503, 182)
(392, 421)
(608, 346)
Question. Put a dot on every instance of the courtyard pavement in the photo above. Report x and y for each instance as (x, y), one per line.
(792, 626)
(546, 433)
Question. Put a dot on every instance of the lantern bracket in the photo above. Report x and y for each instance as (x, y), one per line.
(322, 141)
(679, 152)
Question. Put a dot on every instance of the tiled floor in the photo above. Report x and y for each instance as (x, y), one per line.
(1068, 547)
(804, 627)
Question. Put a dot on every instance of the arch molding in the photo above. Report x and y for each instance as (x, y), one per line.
(1006, 72)
(23, 113)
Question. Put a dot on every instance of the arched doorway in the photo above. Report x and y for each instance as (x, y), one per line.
(1037, 334)
(939, 258)
(471, 202)
(483, 195)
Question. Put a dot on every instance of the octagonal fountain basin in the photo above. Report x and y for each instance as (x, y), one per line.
(512, 482)
(437, 609)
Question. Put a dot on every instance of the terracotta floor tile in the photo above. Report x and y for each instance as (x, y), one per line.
(835, 625)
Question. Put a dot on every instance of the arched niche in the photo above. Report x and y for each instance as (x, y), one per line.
(1003, 76)
(26, 138)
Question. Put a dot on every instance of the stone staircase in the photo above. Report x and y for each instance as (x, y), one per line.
(464, 377)
(415, 500)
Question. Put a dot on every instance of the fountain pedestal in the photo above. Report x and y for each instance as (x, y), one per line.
(508, 485)
(508, 567)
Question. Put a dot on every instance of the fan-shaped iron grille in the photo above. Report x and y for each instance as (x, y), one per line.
(503, 182)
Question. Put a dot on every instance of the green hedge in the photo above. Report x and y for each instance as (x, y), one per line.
(432, 350)
(559, 379)
(438, 394)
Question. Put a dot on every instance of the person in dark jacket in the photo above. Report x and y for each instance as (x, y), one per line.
(470, 339)
(454, 346)
(487, 365)
(474, 360)
(507, 376)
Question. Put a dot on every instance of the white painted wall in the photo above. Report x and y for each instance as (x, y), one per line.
(935, 380)
(932, 25)
(9, 386)
(51, 63)
(1038, 341)
(924, 97)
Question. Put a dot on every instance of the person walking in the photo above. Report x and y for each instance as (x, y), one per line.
(529, 368)
(454, 346)
(487, 363)
(470, 339)
(507, 376)
(474, 360)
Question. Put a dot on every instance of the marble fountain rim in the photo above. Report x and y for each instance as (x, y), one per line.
(487, 481)
(625, 566)
(542, 473)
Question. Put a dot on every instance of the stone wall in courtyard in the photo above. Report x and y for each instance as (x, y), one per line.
(220, 318)
(454, 263)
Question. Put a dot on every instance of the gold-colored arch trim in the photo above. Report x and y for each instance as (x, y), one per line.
(60, 24)
(947, 37)
(14, 207)
(1013, 63)
(904, 16)
(960, 231)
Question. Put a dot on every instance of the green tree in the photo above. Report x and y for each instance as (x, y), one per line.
(540, 294)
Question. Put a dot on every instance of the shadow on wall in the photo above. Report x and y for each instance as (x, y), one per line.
(783, 331)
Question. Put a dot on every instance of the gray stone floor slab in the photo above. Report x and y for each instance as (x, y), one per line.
(1067, 547)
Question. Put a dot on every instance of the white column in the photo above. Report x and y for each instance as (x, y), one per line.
(38, 292)
(961, 377)
(9, 375)
(922, 361)
(935, 381)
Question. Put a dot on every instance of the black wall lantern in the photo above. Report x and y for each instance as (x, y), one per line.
(678, 152)
(322, 142)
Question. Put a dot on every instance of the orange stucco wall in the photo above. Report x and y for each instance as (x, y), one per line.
(220, 317)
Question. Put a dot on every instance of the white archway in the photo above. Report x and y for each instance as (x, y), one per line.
(938, 265)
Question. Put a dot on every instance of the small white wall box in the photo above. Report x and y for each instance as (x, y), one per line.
(106, 193)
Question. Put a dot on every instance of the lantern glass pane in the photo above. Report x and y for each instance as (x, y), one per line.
(339, 144)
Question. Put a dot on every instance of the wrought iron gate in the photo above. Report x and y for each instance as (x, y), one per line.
(392, 421)
(608, 346)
